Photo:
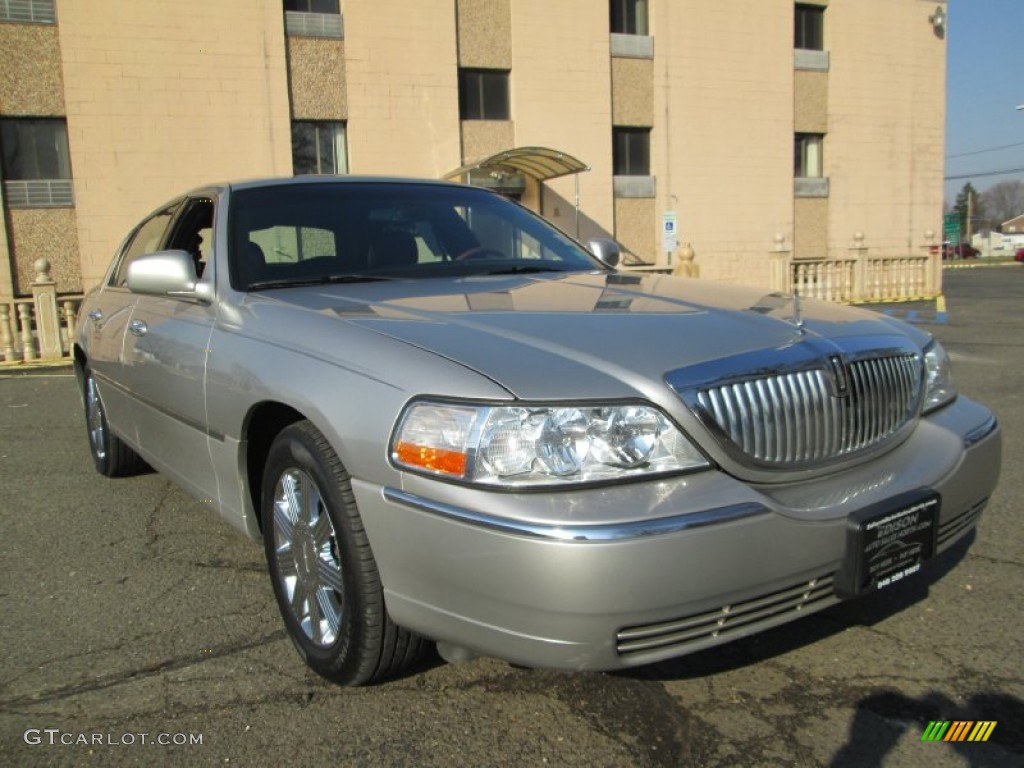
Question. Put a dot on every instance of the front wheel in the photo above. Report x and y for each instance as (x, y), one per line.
(323, 572)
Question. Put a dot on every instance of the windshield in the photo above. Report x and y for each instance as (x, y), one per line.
(309, 233)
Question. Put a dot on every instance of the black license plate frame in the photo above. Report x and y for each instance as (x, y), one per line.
(889, 541)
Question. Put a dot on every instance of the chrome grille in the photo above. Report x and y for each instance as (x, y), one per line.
(812, 416)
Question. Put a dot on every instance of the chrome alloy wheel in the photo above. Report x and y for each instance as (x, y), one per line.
(306, 548)
(94, 420)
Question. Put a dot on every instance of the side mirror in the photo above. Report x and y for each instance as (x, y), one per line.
(607, 251)
(166, 273)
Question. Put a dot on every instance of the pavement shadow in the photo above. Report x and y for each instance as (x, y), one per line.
(868, 743)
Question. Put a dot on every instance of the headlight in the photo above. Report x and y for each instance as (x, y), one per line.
(939, 388)
(523, 446)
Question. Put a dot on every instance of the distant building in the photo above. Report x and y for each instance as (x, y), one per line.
(1010, 238)
(1013, 226)
(741, 127)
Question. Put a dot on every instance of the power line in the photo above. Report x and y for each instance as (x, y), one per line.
(983, 151)
(982, 174)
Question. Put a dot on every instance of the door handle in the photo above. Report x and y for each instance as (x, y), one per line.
(95, 314)
(137, 328)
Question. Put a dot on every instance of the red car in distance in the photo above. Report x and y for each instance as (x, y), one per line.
(959, 251)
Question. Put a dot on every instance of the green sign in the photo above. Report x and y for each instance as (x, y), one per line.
(951, 225)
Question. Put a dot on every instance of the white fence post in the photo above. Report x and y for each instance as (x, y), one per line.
(44, 292)
(781, 265)
(69, 322)
(7, 332)
(28, 349)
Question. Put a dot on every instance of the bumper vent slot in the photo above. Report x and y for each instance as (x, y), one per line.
(729, 620)
(953, 527)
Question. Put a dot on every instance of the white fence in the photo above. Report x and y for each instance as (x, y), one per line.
(859, 279)
(41, 327)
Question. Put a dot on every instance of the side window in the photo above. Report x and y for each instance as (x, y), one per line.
(193, 232)
(147, 238)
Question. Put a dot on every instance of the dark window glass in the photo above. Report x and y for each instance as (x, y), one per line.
(34, 149)
(193, 232)
(807, 155)
(810, 27)
(631, 151)
(147, 239)
(483, 94)
(318, 147)
(629, 17)
(312, 6)
(300, 232)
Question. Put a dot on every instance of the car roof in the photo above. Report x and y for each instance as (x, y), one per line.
(313, 180)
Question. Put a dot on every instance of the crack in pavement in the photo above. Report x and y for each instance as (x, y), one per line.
(83, 654)
(230, 565)
(152, 535)
(994, 560)
(121, 678)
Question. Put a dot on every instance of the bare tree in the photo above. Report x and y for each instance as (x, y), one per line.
(1003, 201)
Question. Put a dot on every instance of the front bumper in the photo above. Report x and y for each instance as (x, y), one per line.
(619, 576)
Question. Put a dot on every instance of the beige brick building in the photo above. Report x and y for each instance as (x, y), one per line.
(751, 127)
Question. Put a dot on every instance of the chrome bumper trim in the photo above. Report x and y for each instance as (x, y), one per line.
(977, 435)
(579, 533)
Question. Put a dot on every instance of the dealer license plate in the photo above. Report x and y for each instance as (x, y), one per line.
(887, 542)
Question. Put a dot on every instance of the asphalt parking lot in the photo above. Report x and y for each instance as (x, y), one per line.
(131, 616)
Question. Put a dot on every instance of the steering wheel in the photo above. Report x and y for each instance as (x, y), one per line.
(480, 252)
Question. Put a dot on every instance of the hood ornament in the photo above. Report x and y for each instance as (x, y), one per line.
(798, 320)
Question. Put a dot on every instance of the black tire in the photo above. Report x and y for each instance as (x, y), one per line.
(322, 570)
(110, 454)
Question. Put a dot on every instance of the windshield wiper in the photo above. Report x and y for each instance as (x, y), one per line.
(320, 280)
(519, 269)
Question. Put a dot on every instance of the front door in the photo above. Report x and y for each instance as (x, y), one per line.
(165, 350)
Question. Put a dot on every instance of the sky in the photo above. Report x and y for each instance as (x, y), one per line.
(984, 85)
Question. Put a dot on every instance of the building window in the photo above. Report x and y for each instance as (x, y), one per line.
(35, 162)
(483, 94)
(810, 28)
(35, 148)
(629, 17)
(319, 147)
(807, 155)
(631, 151)
(312, 6)
(28, 11)
(312, 18)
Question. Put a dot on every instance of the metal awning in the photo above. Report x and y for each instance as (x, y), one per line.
(540, 163)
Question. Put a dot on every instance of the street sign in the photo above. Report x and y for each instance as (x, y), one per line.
(669, 231)
(951, 226)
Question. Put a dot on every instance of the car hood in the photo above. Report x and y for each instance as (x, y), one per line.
(574, 335)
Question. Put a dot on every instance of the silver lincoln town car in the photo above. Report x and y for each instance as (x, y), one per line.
(450, 422)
